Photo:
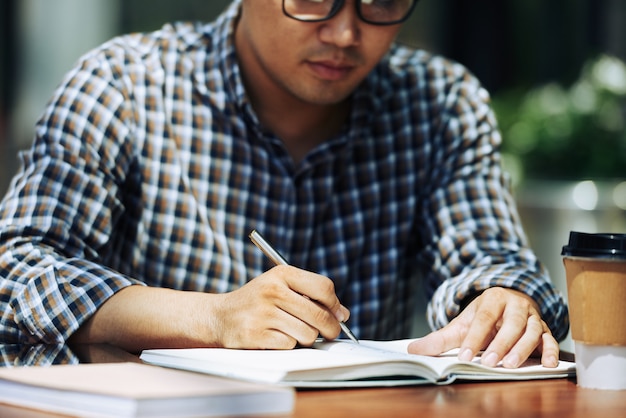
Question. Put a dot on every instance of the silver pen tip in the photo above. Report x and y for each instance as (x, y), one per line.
(347, 331)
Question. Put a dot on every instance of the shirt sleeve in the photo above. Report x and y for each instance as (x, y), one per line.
(57, 217)
(473, 234)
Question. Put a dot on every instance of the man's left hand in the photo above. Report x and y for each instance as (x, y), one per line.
(505, 323)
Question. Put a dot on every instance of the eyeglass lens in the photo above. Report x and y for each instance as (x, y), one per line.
(373, 11)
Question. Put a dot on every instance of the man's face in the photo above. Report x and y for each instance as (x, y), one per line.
(315, 62)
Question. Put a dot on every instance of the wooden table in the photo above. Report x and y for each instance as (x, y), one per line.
(550, 398)
(537, 398)
(546, 398)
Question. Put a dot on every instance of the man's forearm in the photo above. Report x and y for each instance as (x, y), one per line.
(141, 317)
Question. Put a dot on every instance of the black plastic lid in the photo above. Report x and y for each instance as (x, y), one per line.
(583, 244)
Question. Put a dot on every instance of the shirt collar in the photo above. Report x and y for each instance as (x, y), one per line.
(224, 32)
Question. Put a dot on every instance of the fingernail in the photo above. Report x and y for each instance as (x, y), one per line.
(551, 361)
(511, 361)
(489, 359)
(340, 316)
(466, 355)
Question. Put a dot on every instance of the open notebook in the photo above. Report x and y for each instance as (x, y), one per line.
(343, 363)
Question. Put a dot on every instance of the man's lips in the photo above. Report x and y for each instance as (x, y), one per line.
(330, 70)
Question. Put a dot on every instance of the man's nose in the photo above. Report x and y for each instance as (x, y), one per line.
(343, 29)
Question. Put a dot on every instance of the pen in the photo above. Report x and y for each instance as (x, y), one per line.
(278, 259)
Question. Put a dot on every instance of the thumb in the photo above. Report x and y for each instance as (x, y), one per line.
(436, 342)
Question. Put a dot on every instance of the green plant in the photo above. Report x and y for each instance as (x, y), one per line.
(567, 132)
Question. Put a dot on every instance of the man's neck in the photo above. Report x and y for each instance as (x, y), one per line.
(301, 127)
(299, 124)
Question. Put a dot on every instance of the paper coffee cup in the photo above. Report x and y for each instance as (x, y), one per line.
(595, 267)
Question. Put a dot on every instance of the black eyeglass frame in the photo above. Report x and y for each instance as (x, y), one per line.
(338, 5)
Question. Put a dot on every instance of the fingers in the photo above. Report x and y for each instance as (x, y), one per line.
(521, 332)
(439, 341)
(485, 315)
(281, 308)
(301, 312)
(255, 317)
(549, 350)
(285, 332)
(315, 287)
(504, 323)
(515, 342)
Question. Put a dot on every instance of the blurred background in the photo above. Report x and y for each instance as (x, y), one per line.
(555, 70)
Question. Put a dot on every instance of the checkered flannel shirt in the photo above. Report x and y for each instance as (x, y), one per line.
(149, 166)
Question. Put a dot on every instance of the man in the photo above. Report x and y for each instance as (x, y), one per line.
(370, 164)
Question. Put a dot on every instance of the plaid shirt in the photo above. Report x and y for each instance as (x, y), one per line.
(150, 166)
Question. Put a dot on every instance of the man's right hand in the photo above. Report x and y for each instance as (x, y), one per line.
(277, 310)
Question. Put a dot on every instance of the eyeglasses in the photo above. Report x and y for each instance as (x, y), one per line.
(375, 12)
